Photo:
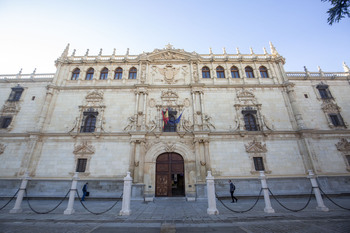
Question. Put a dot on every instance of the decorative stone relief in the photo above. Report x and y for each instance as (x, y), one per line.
(169, 147)
(343, 145)
(84, 148)
(207, 125)
(169, 72)
(330, 107)
(255, 147)
(131, 124)
(2, 148)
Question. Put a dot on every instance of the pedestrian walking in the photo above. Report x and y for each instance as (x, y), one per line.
(232, 190)
(85, 192)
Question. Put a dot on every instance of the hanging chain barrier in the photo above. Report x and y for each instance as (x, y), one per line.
(240, 211)
(46, 212)
(10, 200)
(98, 213)
(293, 210)
(332, 200)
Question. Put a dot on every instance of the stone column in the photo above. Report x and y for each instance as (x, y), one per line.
(268, 208)
(198, 160)
(320, 204)
(132, 157)
(206, 154)
(212, 210)
(126, 195)
(73, 189)
(17, 208)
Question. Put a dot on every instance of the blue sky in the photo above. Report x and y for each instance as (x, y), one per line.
(34, 33)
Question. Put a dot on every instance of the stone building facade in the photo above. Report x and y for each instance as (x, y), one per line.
(232, 114)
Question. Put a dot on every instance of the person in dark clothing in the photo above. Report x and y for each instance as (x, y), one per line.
(84, 191)
(232, 190)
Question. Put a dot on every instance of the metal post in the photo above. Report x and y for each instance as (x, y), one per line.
(17, 208)
(73, 189)
(268, 208)
(126, 195)
(320, 204)
(212, 210)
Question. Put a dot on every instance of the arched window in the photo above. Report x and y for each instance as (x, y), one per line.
(220, 72)
(132, 73)
(118, 74)
(249, 72)
(205, 72)
(104, 74)
(263, 72)
(90, 74)
(75, 74)
(89, 124)
(234, 72)
(250, 122)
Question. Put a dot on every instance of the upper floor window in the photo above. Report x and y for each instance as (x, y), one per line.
(118, 73)
(258, 163)
(249, 72)
(234, 72)
(75, 74)
(250, 122)
(90, 74)
(324, 91)
(132, 73)
(104, 74)
(170, 125)
(81, 165)
(205, 72)
(336, 119)
(5, 122)
(220, 72)
(89, 122)
(16, 93)
(263, 72)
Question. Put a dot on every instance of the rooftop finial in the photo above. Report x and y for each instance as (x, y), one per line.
(127, 51)
(224, 50)
(34, 71)
(251, 50)
(319, 69)
(65, 52)
(273, 49)
(73, 54)
(210, 51)
(87, 52)
(169, 46)
(238, 52)
(114, 51)
(20, 71)
(346, 68)
(265, 51)
(100, 53)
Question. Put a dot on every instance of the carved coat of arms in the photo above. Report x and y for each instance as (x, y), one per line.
(169, 73)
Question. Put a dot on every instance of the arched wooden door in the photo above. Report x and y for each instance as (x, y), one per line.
(170, 178)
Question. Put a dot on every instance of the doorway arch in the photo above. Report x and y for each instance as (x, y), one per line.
(170, 175)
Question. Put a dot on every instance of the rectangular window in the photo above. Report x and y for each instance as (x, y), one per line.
(16, 94)
(336, 119)
(5, 122)
(259, 164)
(81, 165)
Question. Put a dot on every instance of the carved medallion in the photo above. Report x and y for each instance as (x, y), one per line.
(169, 73)
(84, 148)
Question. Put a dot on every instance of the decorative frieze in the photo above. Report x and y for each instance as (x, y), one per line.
(255, 147)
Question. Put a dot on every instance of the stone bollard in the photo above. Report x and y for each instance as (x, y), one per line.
(73, 189)
(212, 210)
(126, 195)
(320, 204)
(19, 199)
(268, 208)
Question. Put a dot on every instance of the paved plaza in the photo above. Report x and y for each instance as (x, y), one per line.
(178, 215)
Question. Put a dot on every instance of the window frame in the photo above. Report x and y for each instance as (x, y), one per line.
(263, 72)
(118, 73)
(5, 122)
(324, 92)
(133, 73)
(205, 72)
(234, 71)
(16, 94)
(336, 119)
(249, 72)
(104, 74)
(90, 74)
(88, 124)
(250, 124)
(258, 163)
(220, 72)
(75, 74)
(81, 165)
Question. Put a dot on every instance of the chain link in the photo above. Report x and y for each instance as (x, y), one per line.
(38, 212)
(332, 200)
(97, 213)
(10, 200)
(293, 210)
(240, 211)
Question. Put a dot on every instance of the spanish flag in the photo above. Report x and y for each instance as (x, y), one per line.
(165, 117)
